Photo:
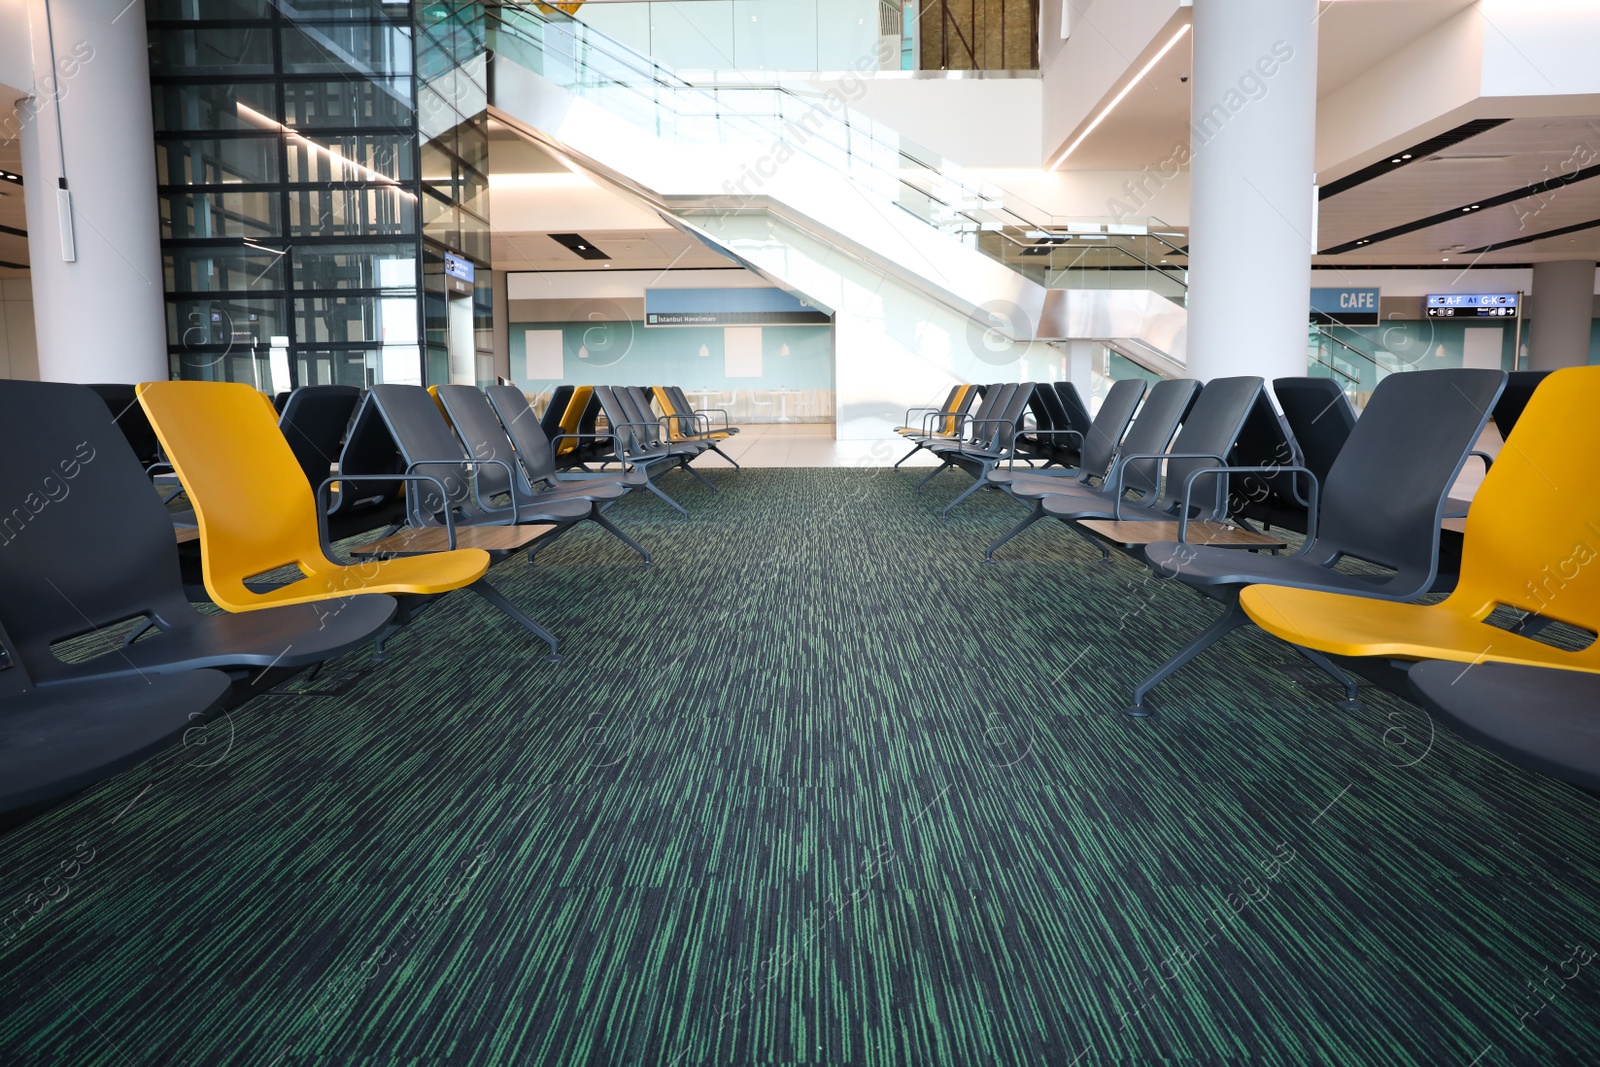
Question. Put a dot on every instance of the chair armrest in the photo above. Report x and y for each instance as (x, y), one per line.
(322, 501)
(726, 421)
(1121, 467)
(1312, 512)
(1012, 462)
(511, 478)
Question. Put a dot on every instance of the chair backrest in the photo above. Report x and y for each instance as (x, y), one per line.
(1532, 540)
(560, 397)
(1385, 496)
(1002, 434)
(573, 417)
(123, 402)
(369, 448)
(1164, 408)
(637, 412)
(1048, 414)
(1109, 426)
(1520, 387)
(526, 433)
(255, 511)
(993, 396)
(1210, 429)
(1077, 411)
(1265, 441)
(1321, 418)
(313, 420)
(429, 447)
(84, 541)
(589, 415)
(473, 417)
(626, 437)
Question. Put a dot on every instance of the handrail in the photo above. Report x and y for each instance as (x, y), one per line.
(942, 197)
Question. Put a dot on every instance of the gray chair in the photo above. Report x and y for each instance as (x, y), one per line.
(1152, 431)
(1542, 718)
(636, 443)
(990, 443)
(1382, 503)
(60, 738)
(1098, 447)
(533, 473)
(1193, 487)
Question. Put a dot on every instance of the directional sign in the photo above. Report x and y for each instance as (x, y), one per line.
(1472, 306)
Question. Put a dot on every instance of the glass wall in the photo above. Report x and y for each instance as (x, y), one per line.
(779, 35)
(316, 160)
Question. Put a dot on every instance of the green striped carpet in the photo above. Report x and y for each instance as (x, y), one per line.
(817, 788)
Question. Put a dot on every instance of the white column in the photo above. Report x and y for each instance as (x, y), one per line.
(101, 316)
(1080, 370)
(1563, 315)
(1252, 139)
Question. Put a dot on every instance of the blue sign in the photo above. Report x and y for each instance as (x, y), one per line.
(1345, 307)
(458, 267)
(1472, 305)
(729, 307)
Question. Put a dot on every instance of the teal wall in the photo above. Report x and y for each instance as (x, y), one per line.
(628, 353)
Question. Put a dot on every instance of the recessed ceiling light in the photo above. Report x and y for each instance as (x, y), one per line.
(1396, 159)
(1446, 259)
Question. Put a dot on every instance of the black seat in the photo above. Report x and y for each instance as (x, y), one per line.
(1270, 494)
(559, 398)
(479, 428)
(1053, 439)
(96, 550)
(313, 420)
(1542, 718)
(58, 739)
(123, 402)
(1382, 503)
(1077, 411)
(369, 451)
(1152, 431)
(1520, 385)
(1320, 418)
(680, 403)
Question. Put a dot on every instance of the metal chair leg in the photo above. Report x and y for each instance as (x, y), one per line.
(493, 596)
(611, 528)
(1033, 517)
(1231, 620)
(936, 472)
(727, 457)
(656, 489)
(973, 488)
(685, 465)
(1105, 553)
(907, 456)
(1352, 696)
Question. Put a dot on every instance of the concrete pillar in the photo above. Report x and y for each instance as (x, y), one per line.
(1251, 175)
(1080, 370)
(97, 288)
(1563, 315)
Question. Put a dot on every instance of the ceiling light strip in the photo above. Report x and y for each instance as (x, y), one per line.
(1126, 89)
(1540, 189)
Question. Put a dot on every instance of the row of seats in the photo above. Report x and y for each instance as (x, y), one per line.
(1374, 490)
(454, 479)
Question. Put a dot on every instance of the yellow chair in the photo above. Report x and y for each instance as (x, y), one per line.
(1532, 543)
(676, 419)
(257, 513)
(572, 418)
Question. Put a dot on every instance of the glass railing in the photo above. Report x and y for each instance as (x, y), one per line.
(1054, 250)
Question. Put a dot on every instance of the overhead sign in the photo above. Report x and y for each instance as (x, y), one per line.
(1345, 307)
(729, 307)
(1472, 306)
(458, 267)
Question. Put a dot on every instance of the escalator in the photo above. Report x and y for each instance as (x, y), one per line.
(930, 276)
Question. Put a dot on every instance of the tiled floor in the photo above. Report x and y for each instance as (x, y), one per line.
(807, 444)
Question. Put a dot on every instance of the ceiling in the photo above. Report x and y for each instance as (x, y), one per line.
(1152, 122)
(533, 194)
